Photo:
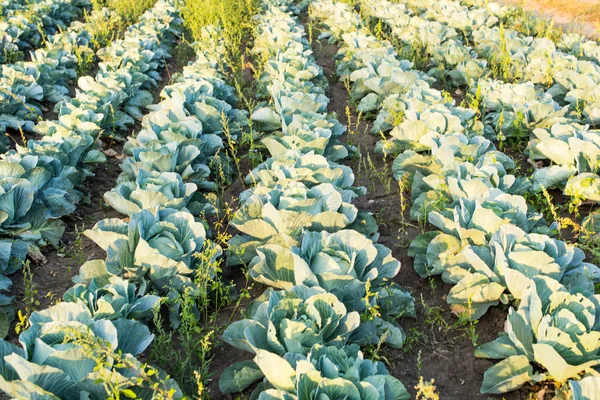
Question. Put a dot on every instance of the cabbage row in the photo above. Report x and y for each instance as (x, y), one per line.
(25, 27)
(46, 78)
(97, 319)
(153, 251)
(58, 352)
(489, 246)
(301, 235)
(179, 152)
(509, 109)
(167, 184)
(43, 181)
(553, 102)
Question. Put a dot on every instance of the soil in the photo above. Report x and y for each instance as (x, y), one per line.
(440, 351)
(579, 17)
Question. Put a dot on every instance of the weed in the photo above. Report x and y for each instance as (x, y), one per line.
(310, 30)
(370, 300)
(426, 390)
(13, 56)
(185, 355)
(475, 102)
(397, 112)
(186, 352)
(348, 86)
(530, 25)
(472, 332)
(129, 10)
(243, 296)
(373, 351)
(501, 61)
(183, 52)
(419, 363)
(434, 316)
(417, 52)
(85, 59)
(233, 16)
(437, 202)
(115, 384)
(212, 293)
(29, 298)
(467, 324)
(53, 298)
(105, 29)
(403, 205)
(432, 283)
(413, 338)
(232, 146)
(78, 254)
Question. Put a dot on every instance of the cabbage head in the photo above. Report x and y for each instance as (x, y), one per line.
(55, 361)
(327, 371)
(288, 322)
(554, 328)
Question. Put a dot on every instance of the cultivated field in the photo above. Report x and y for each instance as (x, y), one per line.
(316, 199)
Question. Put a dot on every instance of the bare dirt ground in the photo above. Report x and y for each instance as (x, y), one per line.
(581, 16)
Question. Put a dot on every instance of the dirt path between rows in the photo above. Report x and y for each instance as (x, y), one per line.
(436, 349)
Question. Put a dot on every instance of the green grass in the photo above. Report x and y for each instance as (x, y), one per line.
(129, 10)
(233, 16)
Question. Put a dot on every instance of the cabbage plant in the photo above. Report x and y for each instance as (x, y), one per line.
(348, 265)
(56, 360)
(31, 200)
(459, 169)
(393, 108)
(448, 57)
(585, 389)
(584, 186)
(284, 214)
(211, 111)
(554, 328)
(113, 298)
(496, 270)
(570, 149)
(211, 106)
(418, 130)
(342, 262)
(169, 123)
(310, 169)
(173, 141)
(288, 322)
(27, 25)
(159, 247)
(20, 96)
(150, 190)
(327, 371)
(190, 160)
